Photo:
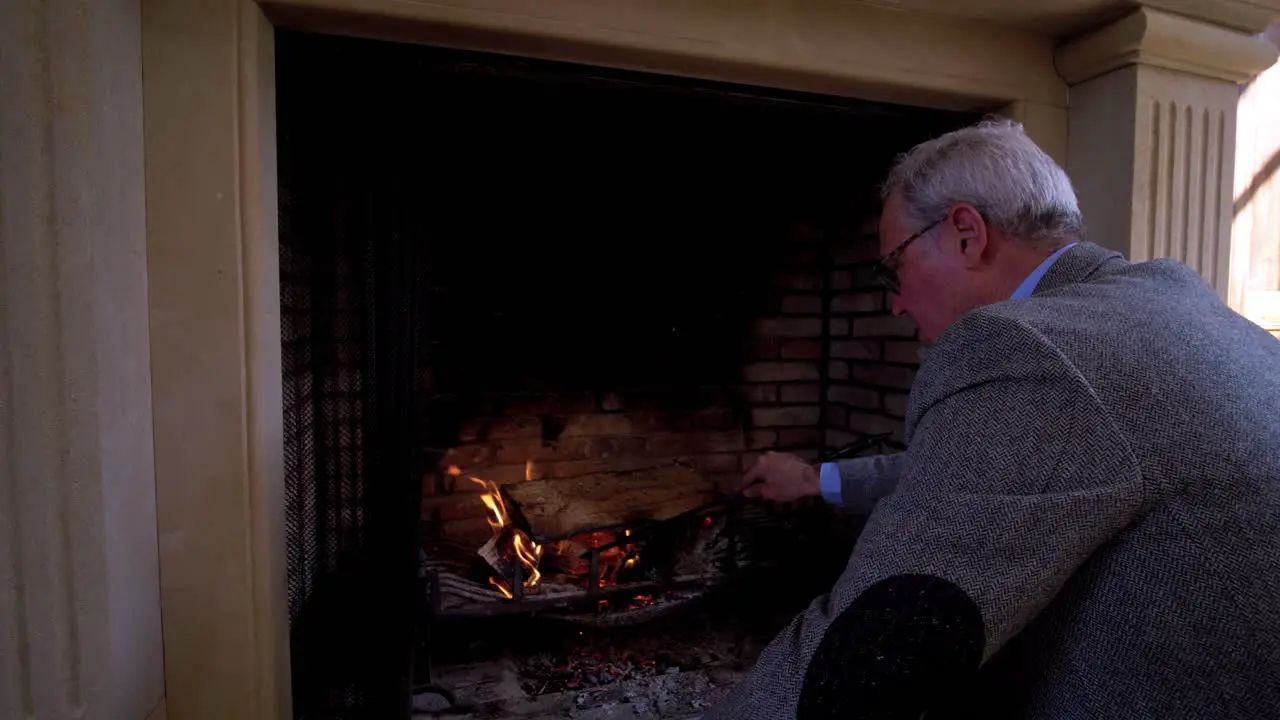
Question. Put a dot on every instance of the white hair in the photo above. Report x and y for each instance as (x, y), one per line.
(994, 166)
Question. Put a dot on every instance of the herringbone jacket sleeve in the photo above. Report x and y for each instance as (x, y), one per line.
(864, 481)
(1015, 475)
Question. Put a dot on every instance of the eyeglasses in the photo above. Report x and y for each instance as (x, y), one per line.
(886, 269)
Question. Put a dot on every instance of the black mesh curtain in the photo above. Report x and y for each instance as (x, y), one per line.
(349, 294)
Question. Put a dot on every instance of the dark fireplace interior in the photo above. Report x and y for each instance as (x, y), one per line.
(538, 319)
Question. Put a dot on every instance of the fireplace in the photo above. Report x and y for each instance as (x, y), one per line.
(538, 319)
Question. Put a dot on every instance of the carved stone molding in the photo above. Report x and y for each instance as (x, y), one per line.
(80, 632)
(1247, 16)
(1151, 155)
(1184, 152)
(1159, 39)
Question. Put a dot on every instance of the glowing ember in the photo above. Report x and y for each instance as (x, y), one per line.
(525, 550)
(614, 559)
(622, 605)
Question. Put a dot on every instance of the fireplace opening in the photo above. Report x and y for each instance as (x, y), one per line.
(538, 319)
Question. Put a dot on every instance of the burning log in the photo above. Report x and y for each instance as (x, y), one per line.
(558, 508)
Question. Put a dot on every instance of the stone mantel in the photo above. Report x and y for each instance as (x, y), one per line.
(1152, 134)
(1159, 39)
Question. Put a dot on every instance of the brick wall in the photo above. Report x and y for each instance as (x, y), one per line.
(834, 363)
(824, 360)
(873, 354)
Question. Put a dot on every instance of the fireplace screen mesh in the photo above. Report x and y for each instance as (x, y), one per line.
(349, 291)
(324, 356)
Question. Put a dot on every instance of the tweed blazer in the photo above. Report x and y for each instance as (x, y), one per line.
(1086, 522)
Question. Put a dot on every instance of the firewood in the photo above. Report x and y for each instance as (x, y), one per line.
(556, 508)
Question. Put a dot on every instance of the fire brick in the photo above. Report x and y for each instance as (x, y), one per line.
(799, 281)
(858, 397)
(855, 349)
(856, 250)
(599, 424)
(838, 370)
(799, 437)
(784, 416)
(804, 327)
(884, 326)
(716, 463)
(515, 427)
(899, 351)
(837, 438)
(764, 348)
(802, 304)
(801, 393)
(779, 372)
(454, 507)
(896, 404)
(865, 276)
(863, 302)
(760, 394)
(872, 424)
(677, 444)
(802, 349)
(891, 376)
(708, 419)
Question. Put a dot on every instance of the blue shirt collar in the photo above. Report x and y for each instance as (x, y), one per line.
(1028, 286)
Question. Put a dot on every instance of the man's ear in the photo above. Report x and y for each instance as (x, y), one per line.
(971, 230)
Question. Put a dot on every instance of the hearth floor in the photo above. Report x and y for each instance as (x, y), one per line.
(548, 667)
(497, 693)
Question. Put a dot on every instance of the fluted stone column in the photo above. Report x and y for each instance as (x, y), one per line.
(79, 584)
(1151, 135)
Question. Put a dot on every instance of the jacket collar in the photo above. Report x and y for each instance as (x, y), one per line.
(1078, 264)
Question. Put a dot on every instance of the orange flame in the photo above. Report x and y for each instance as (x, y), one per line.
(528, 470)
(502, 587)
(528, 552)
(492, 499)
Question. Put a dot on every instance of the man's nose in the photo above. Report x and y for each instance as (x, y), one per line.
(896, 306)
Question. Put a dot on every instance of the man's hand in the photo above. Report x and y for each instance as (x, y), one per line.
(781, 478)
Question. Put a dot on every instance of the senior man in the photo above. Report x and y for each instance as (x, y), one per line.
(1086, 523)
